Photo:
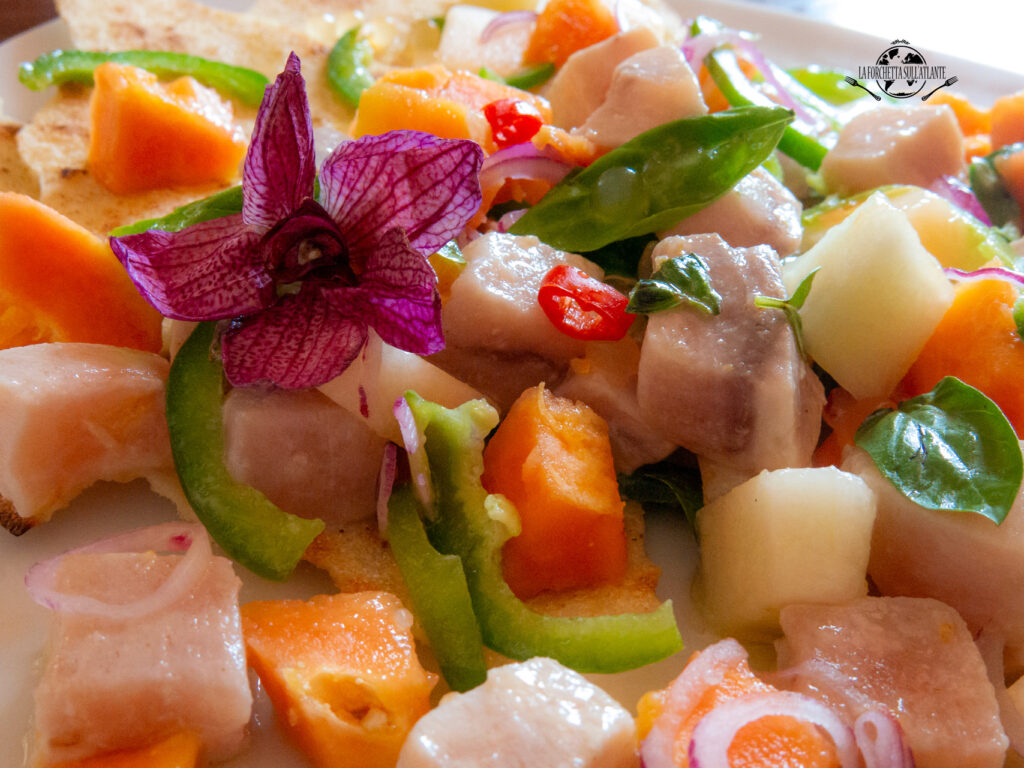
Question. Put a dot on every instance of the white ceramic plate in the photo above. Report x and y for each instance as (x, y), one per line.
(108, 508)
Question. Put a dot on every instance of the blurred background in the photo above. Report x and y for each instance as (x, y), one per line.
(987, 31)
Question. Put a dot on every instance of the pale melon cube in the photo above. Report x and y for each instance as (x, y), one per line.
(875, 301)
(785, 536)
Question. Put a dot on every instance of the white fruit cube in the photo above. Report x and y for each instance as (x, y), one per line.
(875, 301)
(785, 536)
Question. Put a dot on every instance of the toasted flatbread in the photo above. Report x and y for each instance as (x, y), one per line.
(15, 175)
(187, 27)
(55, 145)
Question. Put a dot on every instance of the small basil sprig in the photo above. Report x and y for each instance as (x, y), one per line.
(224, 203)
(791, 308)
(665, 485)
(1018, 315)
(680, 280)
(656, 179)
(949, 449)
(348, 66)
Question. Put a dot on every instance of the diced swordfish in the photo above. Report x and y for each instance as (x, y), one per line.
(758, 210)
(72, 414)
(583, 81)
(894, 145)
(115, 684)
(535, 713)
(649, 88)
(911, 657)
(732, 387)
(308, 455)
(964, 560)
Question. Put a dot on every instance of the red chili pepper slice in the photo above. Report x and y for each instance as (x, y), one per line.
(513, 121)
(583, 307)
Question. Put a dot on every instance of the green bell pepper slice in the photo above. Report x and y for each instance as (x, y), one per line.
(438, 592)
(59, 67)
(474, 525)
(348, 66)
(797, 141)
(655, 180)
(223, 203)
(250, 529)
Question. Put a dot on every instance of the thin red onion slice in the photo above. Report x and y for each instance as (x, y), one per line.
(419, 467)
(504, 22)
(960, 195)
(190, 538)
(522, 161)
(697, 48)
(880, 739)
(507, 220)
(707, 669)
(385, 482)
(709, 745)
(986, 273)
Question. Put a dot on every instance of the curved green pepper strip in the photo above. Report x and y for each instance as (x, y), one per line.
(58, 67)
(797, 141)
(438, 592)
(656, 179)
(217, 205)
(469, 525)
(348, 66)
(249, 528)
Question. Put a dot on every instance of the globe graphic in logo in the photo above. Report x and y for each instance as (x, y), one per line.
(898, 56)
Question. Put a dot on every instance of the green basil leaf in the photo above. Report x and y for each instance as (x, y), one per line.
(679, 280)
(665, 485)
(791, 307)
(656, 179)
(621, 257)
(949, 449)
(348, 66)
(531, 77)
(224, 203)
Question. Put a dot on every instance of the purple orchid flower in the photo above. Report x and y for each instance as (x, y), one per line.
(303, 279)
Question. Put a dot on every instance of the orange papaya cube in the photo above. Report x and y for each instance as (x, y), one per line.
(973, 120)
(567, 26)
(178, 751)
(724, 674)
(551, 457)
(60, 282)
(1007, 117)
(149, 135)
(976, 341)
(342, 673)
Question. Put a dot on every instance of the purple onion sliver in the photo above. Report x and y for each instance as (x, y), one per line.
(986, 273)
(714, 733)
(191, 538)
(504, 21)
(506, 222)
(419, 467)
(385, 482)
(961, 195)
(881, 742)
(522, 161)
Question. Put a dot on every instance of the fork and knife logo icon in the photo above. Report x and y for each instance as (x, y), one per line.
(902, 73)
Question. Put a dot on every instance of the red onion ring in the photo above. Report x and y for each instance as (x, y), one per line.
(190, 538)
(419, 467)
(704, 671)
(709, 745)
(385, 482)
(880, 739)
(522, 161)
(960, 195)
(697, 48)
(505, 21)
(986, 273)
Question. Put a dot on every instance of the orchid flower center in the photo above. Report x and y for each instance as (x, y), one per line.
(307, 244)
